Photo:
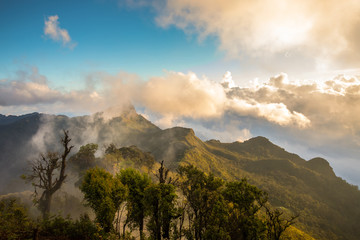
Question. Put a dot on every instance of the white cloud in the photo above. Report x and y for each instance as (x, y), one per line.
(324, 31)
(55, 32)
(185, 95)
(227, 80)
(173, 97)
(274, 112)
(30, 91)
(319, 115)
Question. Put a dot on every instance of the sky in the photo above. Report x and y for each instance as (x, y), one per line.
(230, 69)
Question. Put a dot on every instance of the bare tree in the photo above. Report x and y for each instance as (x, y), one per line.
(276, 223)
(162, 175)
(48, 174)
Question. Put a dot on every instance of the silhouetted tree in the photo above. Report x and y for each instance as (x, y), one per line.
(48, 174)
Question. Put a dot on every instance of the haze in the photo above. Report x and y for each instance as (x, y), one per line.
(229, 69)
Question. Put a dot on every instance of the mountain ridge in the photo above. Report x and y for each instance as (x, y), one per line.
(305, 187)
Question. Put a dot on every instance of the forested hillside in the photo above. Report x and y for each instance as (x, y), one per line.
(327, 205)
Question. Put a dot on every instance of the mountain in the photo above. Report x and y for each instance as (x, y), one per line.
(328, 206)
(23, 138)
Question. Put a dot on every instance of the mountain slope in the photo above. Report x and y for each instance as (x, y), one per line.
(23, 138)
(328, 206)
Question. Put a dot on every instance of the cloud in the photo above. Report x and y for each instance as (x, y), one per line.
(172, 97)
(320, 116)
(186, 95)
(325, 104)
(273, 112)
(56, 33)
(227, 81)
(327, 107)
(179, 95)
(29, 91)
(325, 30)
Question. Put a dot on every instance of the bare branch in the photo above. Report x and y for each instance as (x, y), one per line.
(43, 171)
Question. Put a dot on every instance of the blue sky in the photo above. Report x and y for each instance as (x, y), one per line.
(108, 38)
(232, 69)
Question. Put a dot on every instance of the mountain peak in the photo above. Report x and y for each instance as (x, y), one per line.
(179, 132)
(320, 165)
(259, 140)
(117, 111)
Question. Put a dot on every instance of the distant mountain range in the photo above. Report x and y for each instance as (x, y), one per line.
(328, 206)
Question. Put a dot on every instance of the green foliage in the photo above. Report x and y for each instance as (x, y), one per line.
(214, 209)
(136, 183)
(85, 157)
(14, 222)
(244, 202)
(160, 203)
(66, 228)
(207, 209)
(104, 195)
(128, 157)
(227, 211)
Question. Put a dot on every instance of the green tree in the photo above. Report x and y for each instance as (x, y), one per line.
(111, 149)
(244, 203)
(206, 205)
(160, 200)
(48, 174)
(136, 183)
(104, 194)
(14, 221)
(85, 157)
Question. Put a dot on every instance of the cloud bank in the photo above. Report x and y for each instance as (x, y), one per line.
(29, 90)
(53, 30)
(322, 116)
(173, 96)
(324, 32)
(176, 95)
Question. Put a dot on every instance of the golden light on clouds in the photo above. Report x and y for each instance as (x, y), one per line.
(326, 30)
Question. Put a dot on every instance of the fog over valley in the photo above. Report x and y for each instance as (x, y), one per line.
(178, 119)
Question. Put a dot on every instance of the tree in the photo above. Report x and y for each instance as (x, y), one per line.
(136, 183)
(14, 222)
(244, 202)
(206, 205)
(85, 157)
(163, 175)
(104, 195)
(111, 149)
(276, 224)
(160, 201)
(43, 172)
